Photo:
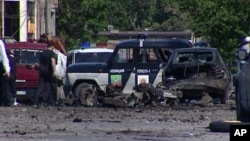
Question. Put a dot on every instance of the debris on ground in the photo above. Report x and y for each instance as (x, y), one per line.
(205, 100)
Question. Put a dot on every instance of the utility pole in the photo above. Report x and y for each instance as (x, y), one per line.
(48, 18)
(23, 22)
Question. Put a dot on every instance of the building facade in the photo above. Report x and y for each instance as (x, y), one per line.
(26, 20)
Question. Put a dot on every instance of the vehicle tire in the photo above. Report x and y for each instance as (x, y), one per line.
(222, 126)
(87, 94)
(241, 114)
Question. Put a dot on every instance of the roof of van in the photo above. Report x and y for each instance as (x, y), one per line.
(26, 45)
(157, 43)
(196, 49)
(90, 50)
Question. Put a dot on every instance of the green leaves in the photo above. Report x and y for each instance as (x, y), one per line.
(222, 23)
(78, 19)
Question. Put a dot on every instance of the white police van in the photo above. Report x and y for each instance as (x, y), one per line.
(133, 61)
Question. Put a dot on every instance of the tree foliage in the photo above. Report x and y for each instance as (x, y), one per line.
(131, 14)
(169, 17)
(77, 20)
(222, 23)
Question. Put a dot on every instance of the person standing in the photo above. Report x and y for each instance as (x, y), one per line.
(61, 75)
(11, 81)
(4, 71)
(47, 76)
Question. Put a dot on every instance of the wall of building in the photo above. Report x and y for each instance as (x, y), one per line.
(32, 19)
(46, 25)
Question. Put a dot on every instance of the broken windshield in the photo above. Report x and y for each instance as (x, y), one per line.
(182, 57)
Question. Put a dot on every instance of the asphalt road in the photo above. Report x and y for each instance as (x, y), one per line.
(185, 123)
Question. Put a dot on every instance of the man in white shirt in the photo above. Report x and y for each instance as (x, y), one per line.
(4, 70)
(61, 75)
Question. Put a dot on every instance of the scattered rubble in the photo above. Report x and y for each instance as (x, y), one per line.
(182, 123)
(143, 95)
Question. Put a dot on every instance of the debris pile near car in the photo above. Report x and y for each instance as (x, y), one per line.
(143, 95)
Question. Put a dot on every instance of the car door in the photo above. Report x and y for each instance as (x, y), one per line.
(121, 70)
(148, 66)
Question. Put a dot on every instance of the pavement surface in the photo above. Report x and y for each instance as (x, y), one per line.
(181, 123)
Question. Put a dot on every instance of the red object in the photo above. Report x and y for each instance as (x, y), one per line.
(102, 45)
(27, 73)
(59, 45)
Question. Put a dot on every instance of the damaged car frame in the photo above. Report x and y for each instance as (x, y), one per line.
(194, 72)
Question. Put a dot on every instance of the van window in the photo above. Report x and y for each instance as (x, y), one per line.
(164, 54)
(92, 57)
(124, 55)
(69, 59)
(147, 56)
(29, 56)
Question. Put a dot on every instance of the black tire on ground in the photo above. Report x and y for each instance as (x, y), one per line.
(222, 126)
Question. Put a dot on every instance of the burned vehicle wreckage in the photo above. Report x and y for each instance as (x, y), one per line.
(139, 73)
(194, 72)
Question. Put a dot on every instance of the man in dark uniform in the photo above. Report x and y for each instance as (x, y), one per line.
(4, 70)
(47, 76)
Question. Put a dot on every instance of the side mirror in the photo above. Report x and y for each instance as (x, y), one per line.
(242, 55)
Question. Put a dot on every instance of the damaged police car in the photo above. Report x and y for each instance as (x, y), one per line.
(195, 72)
(133, 62)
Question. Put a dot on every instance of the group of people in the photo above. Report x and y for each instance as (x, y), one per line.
(52, 72)
(8, 60)
(51, 66)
